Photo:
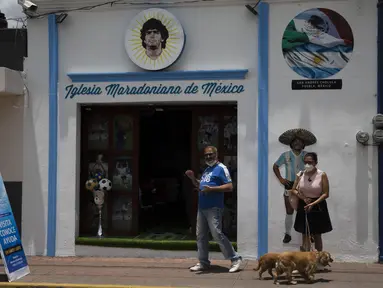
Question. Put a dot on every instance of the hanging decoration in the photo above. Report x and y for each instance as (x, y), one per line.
(98, 184)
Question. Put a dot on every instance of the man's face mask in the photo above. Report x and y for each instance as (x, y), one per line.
(210, 158)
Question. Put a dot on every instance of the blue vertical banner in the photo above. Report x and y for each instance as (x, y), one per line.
(11, 249)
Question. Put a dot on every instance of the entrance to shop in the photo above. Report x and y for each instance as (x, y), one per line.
(144, 151)
(165, 155)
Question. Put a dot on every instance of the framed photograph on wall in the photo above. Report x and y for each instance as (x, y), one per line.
(122, 213)
(208, 132)
(123, 174)
(98, 132)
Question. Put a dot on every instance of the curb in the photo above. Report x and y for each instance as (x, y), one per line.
(67, 285)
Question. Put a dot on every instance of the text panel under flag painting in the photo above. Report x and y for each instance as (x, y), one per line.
(322, 84)
(11, 248)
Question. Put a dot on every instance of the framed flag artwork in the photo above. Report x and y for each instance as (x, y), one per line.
(317, 44)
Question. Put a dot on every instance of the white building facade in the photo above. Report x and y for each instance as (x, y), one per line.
(228, 45)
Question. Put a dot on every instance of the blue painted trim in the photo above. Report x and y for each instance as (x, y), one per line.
(159, 76)
(263, 127)
(380, 110)
(52, 168)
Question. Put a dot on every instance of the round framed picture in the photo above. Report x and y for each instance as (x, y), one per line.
(317, 43)
(155, 39)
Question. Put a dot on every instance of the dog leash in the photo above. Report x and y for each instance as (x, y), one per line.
(308, 234)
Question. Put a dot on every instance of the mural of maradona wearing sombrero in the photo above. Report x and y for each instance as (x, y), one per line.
(154, 35)
(293, 160)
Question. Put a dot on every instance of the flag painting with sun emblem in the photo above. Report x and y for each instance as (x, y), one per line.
(155, 39)
(317, 43)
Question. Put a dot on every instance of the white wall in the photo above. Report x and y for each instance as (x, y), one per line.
(11, 131)
(35, 184)
(334, 116)
(217, 38)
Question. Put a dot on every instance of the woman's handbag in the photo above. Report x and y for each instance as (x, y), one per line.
(293, 199)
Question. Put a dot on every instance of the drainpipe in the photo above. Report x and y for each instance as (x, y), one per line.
(380, 110)
(52, 173)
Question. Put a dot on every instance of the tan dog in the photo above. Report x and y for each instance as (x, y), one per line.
(304, 262)
(267, 262)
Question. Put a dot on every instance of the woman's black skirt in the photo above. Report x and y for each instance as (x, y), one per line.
(318, 218)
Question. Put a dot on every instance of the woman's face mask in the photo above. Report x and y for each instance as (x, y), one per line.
(309, 167)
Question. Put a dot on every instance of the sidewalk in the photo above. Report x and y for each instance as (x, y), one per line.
(130, 272)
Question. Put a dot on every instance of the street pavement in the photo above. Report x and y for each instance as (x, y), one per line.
(161, 272)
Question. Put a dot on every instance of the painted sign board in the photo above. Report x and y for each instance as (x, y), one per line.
(11, 249)
(114, 90)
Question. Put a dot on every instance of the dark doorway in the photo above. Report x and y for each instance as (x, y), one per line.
(165, 155)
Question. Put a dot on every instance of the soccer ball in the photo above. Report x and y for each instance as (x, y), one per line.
(105, 185)
(91, 184)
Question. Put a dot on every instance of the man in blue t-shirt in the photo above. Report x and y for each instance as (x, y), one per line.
(215, 181)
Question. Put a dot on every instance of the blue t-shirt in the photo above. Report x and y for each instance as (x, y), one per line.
(216, 175)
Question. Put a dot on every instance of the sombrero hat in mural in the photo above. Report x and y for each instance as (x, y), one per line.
(306, 136)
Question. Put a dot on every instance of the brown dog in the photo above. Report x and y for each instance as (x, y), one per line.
(267, 262)
(304, 262)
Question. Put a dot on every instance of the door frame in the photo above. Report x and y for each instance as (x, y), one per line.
(200, 109)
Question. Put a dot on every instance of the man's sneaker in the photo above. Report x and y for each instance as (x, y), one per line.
(199, 267)
(287, 239)
(235, 265)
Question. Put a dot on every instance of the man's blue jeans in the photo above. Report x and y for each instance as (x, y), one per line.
(211, 219)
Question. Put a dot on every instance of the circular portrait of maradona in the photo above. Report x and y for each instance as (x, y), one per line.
(154, 39)
(317, 43)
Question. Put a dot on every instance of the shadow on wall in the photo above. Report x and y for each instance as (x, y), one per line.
(247, 211)
(330, 147)
(69, 133)
(34, 233)
(361, 189)
(304, 118)
(362, 179)
(375, 195)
